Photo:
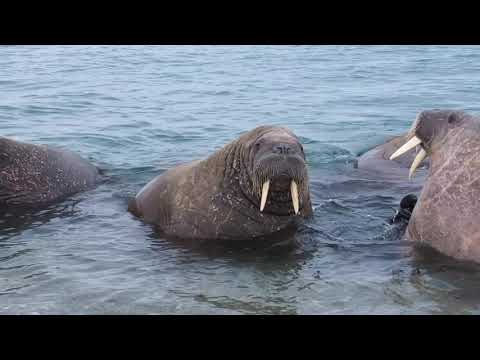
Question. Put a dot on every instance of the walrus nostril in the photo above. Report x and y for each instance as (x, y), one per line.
(283, 149)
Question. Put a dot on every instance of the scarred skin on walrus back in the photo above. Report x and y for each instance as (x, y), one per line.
(32, 176)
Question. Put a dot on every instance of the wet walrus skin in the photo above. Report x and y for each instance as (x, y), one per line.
(33, 176)
(220, 198)
(446, 215)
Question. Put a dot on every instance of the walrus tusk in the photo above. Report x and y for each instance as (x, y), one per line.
(294, 191)
(422, 154)
(410, 144)
(265, 187)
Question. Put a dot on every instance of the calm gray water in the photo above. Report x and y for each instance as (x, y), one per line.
(138, 110)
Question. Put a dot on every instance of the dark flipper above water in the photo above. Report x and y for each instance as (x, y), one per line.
(406, 208)
(37, 175)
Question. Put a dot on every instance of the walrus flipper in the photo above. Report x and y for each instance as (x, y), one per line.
(132, 207)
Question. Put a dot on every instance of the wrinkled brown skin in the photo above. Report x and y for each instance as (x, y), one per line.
(446, 216)
(32, 176)
(208, 199)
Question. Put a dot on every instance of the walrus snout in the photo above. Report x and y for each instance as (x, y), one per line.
(281, 182)
(281, 176)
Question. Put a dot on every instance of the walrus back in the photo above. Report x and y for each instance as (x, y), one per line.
(34, 175)
(166, 195)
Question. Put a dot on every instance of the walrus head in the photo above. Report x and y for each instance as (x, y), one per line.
(276, 170)
(430, 131)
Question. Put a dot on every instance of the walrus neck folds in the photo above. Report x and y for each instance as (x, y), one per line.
(236, 170)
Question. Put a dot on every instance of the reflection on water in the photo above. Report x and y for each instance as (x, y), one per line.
(137, 111)
(14, 221)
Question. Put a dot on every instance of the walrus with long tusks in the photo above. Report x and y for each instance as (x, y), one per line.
(446, 215)
(254, 186)
(33, 176)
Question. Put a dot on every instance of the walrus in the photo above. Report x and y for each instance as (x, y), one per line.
(445, 215)
(255, 186)
(34, 176)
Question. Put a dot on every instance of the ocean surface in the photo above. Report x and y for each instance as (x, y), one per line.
(136, 111)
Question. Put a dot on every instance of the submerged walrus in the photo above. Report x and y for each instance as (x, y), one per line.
(253, 187)
(446, 215)
(32, 176)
